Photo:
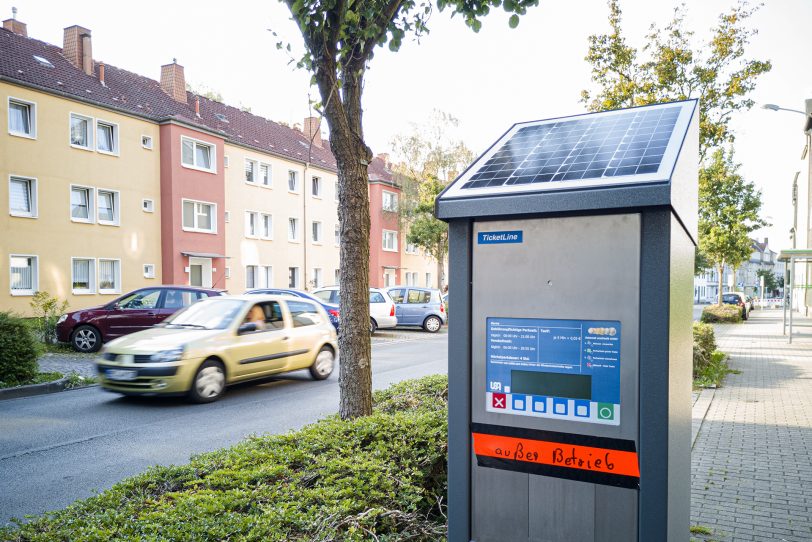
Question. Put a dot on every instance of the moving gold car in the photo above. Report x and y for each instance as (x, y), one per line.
(219, 341)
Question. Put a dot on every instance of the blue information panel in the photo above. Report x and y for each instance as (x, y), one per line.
(560, 369)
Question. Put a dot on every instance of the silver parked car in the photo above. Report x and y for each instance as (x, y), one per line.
(415, 306)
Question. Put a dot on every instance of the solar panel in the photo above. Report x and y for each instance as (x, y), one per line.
(614, 147)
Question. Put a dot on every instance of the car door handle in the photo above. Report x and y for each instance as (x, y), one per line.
(285, 338)
(150, 314)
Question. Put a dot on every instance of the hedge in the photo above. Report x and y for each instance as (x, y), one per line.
(379, 477)
(18, 352)
(716, 314)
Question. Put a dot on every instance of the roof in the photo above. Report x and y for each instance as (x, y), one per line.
(378, 170)
(141, 96)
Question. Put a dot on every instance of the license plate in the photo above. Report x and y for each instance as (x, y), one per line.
(122, 374)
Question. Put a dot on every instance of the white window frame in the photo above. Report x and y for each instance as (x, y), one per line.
(393, 201)
(32, 195)
(146, 142)
(34, 275)
(32, 121)
(337, 234)
(227, 216)
(91, 134)
(297, 185)
(428, 280)
(149, 270)
(411, 248)
(253, 272)
(294, 238)
(148, 205)
(117, 288)
(297, 277)
(318, 279)
(116, 207)
(91, 269)
(316, 227)
(261, 183)
(335, 186)
(395, 240)
(225, 160)
(269, 236)
(248, 216)
(195, 143)
(114, 126)
(195, 229)
(91, 204)
(316, 182)
(255, 172)
(266, 276)
(228, 272)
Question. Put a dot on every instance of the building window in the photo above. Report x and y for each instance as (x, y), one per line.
(23, 274)
(293, 277)
(390, 201)
(250, 276)
(251, 219)
(106, 137)
(199, 216)
(337, 276)
(266, 226)
(316, 227)
(411, 248)
(228, 272)
(225, 160)
(148, 205)
(250, 171)
(22, 197)
(149, 270)
(146, 142)
(265, 174)
(81, 131)
(83, 275)
(315, 187)
(293, 181)
(109, 276)
(335, 184)
(317, 277)
(428, 280)
(293, 229)
(266, 276)
(22, 118)
(337, 235)
(390, 240)
(81, 204)
(197, 154)
(107, 207)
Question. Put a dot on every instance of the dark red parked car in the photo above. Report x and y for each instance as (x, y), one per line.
(87, 329)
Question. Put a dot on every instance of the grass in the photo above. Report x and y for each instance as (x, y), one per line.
(75, 380)
(700, 529)
(712, 374)
(40, 378)
(380, 477)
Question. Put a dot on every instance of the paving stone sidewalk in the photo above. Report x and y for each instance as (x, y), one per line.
(751, 475)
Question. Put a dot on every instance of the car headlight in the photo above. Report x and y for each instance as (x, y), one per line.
(62, 319)
(168, 355)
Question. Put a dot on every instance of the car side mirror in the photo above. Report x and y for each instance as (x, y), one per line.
(247, 327)
(114, 306)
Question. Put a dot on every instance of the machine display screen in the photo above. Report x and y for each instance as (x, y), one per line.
(560, 369)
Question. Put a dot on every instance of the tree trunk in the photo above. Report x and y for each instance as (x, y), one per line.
(440, 273)
(721, 269)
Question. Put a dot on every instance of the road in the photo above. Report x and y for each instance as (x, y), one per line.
(57, 448)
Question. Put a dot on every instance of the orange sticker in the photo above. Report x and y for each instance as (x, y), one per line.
(556, 454)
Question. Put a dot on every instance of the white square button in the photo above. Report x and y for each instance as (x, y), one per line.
(581, 410)
(560, 408)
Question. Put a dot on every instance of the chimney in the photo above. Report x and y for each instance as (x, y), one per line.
(312, 130)
(15, 26)
(384, 157)
(77, 48)
(173, 82)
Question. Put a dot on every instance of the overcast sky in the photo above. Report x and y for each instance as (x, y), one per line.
(488, 80)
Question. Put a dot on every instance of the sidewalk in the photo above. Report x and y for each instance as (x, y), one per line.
(751, 472)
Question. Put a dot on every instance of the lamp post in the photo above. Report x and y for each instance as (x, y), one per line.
(808, 156)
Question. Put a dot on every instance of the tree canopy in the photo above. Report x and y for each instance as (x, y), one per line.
(670, 66)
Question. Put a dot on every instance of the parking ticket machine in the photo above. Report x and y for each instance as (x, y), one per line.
(571, 275)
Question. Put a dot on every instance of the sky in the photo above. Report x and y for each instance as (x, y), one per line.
(488, 80)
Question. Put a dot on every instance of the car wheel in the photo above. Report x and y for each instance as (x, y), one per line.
(744, 314)
(373, 326)
(86, 339)
(209, 383)
(323, 365)
(432, 324)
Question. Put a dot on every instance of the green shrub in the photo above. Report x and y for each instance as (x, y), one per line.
(47, 310)
(18, 351)
(716, 314)
(380, 477)
(704, 345)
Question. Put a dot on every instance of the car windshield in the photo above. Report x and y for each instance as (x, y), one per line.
(730, 298)
(208, 314)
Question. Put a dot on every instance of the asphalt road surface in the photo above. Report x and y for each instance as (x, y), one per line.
(57, 448)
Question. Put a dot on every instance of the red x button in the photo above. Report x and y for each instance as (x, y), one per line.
(499, 400)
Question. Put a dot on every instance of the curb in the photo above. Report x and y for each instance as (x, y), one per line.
(34, 389)
(699, 411)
